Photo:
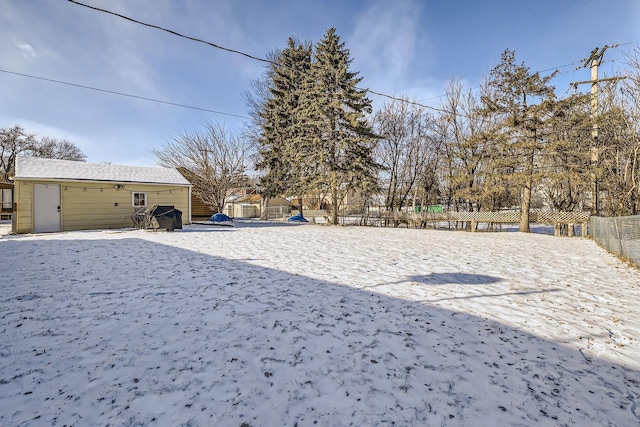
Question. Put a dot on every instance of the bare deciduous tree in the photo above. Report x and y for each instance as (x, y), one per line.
(213, 160)
(404, 151)
(467, 146)
(53, 148)
(15, 141)
(619, 141)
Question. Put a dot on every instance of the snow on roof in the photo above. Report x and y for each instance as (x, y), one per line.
(29, 168)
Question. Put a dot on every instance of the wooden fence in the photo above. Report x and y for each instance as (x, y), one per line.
(561, 220)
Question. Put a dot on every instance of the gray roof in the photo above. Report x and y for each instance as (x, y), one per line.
(32, 168)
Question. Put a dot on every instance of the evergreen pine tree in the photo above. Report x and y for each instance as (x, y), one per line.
(340, 141)
(521, 99)
(280, 133)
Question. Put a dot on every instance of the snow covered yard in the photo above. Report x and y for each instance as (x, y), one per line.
(299, 325)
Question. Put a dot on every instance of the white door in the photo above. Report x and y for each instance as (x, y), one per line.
(46, 208)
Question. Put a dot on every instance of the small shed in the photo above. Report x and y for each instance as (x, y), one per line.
(251, 205)
(61, 195)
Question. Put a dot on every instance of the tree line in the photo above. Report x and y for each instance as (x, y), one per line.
(512, 144)
(309, 135)
(314, 136)
(15, 141)
(516, 144)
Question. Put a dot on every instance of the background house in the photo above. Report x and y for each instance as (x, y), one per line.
(6, 198)
(251, 205)
(352, 202)
(60, 195)
(199, 209)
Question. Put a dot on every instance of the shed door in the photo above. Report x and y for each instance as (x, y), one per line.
(46, 208)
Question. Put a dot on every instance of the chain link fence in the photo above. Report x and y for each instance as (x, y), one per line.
(278, 212)
(619, 235)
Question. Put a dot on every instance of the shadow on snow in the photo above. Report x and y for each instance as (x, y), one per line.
(200, 339)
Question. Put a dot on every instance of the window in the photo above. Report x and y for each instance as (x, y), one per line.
(139, 199)
(7, 199)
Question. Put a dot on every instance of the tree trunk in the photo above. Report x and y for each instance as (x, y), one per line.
(300, 200)
(525, 207)
(264, 215)
(334, 203)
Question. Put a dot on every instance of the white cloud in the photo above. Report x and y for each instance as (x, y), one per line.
(27, 50)
(385, 43)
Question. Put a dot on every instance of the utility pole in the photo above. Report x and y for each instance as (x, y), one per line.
(593, 62)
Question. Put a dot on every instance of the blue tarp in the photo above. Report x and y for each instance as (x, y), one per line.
(221, 218)
(297, 218)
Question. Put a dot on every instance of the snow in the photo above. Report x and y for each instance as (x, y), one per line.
(283, 324)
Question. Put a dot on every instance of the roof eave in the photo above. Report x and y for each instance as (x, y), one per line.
(36, 178)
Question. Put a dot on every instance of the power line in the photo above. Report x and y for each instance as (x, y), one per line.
(275, 63)
(175, 33)
(122, 94)
(541, 71)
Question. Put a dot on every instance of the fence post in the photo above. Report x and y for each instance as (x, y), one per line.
(618, 236)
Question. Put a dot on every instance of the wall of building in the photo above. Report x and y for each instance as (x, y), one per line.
(97, 205)
(199, 209)
(22, 220)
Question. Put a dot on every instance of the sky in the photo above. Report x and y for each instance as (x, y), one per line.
(402, 48)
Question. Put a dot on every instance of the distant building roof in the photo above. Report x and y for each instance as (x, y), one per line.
(257, 198)
(249, 198)
(33, 168)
